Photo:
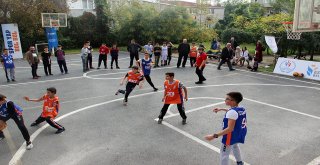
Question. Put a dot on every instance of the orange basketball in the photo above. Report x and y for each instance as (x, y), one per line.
(295, 74)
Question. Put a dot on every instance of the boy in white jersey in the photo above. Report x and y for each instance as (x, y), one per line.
(234, 128)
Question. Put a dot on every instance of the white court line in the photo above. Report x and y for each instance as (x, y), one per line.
(315, 161)
(18, 155)
(270, 75)
(199, 140)
(285, 109)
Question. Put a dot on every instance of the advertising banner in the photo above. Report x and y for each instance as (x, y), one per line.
(11, 40)
(310, 69)
(52, 37)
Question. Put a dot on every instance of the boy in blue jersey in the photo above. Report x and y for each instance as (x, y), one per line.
(145, 65)
(8, 65)
(234, 128)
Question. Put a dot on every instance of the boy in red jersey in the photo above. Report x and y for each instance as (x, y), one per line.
(50, 109)
(103, 52)
(173, 95)
(134, 77)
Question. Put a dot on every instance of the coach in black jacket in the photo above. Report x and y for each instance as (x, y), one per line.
(183, 50)
(134, 49)
(226, 56)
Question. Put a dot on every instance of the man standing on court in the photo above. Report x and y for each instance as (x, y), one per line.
(60, 54)
(183, 50)
(134, 49)
(226, 56)
(33, 61)
(200, 64)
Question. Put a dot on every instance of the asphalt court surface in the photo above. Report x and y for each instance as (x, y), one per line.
(283, 118)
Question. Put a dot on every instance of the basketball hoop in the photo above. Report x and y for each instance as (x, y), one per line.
(290, 34)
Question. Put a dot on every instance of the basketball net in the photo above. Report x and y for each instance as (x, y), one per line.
(290, 34)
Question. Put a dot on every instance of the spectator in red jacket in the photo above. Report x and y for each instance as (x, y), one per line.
(103, 52)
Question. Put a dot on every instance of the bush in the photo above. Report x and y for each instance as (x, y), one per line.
(240, 35)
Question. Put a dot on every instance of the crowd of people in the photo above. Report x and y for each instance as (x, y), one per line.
(175, 91)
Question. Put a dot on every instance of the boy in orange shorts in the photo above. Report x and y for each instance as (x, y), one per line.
(173, 95)
(50, 109)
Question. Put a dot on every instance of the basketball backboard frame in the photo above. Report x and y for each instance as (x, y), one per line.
(54, 20)
(306, 16)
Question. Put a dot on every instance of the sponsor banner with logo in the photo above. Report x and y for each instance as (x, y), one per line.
(310, 69)
(11, 39)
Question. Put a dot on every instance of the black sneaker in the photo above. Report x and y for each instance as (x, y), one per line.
(199, 82)
(160, 121)
(98, 68)
(122, 91)
(232, 69)
(184, 121)
(60, 130)
(155, 89)
(111, 67)
(8, 80)
(33, 124)
(13, 80)
(240, 163)
(118, 67)
(1, 136)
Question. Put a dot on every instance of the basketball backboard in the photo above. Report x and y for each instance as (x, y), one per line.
(54, 19)
(306, 16)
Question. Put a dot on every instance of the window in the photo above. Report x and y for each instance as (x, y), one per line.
(84, 4)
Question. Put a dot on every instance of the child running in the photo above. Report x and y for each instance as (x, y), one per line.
(50, 109)
(145, 64)
(173, 95)
(134, 77)
(234, 128)
(9, 110)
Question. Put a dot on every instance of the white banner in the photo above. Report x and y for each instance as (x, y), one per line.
(11, 39)
(310, 69)
(271, 42)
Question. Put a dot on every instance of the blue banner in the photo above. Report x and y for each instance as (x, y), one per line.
(52, 37)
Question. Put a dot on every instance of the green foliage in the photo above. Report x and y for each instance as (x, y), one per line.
(240, 35)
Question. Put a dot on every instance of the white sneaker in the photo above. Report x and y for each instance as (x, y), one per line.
(29, 146)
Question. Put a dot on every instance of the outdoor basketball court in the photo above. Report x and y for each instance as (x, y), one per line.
(283, 118)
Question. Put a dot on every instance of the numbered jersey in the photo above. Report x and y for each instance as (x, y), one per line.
(240, 129)
(134, 77)
(8, 61)
(50, 106)
(173, 92)
(4, 110)
(146, 66)
(193, 51)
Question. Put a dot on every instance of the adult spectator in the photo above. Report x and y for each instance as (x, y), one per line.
(183, 50)
(60, 54)
(84, 57)
(90, 50)
(226, 56)
(149, 48)
(134, 49)
(200, 65)
(259, 50)
(33, 61)
(46, 60)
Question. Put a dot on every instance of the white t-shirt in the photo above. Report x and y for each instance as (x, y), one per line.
(232, 114)
(164, 51)
(245, 54)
